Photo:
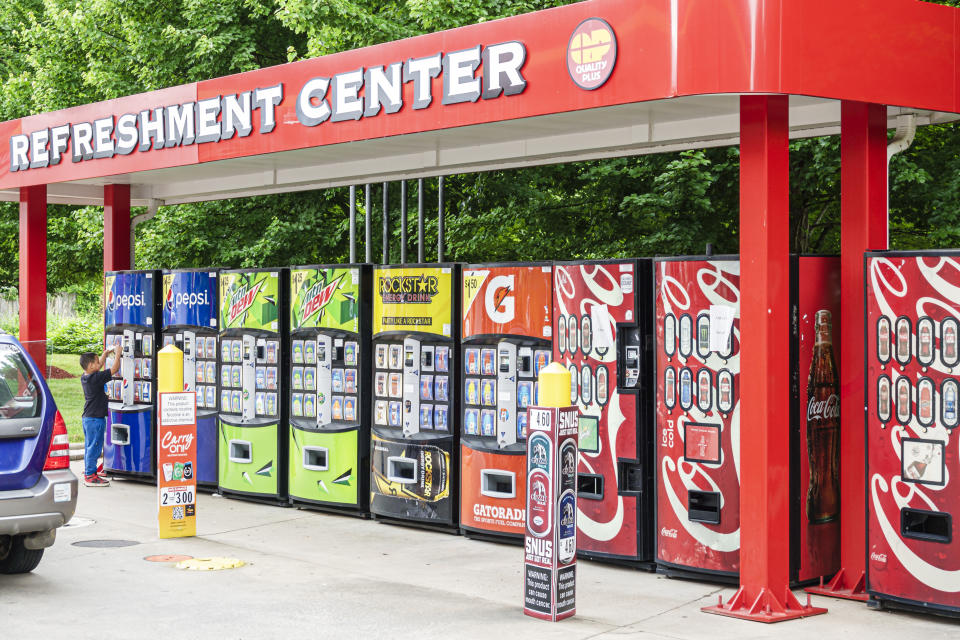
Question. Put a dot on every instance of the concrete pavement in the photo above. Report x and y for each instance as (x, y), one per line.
(314, 575)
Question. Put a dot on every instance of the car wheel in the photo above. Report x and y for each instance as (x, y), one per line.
(20, 559)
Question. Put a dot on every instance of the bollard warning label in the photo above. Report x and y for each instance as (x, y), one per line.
(536, 589)
(566, 589)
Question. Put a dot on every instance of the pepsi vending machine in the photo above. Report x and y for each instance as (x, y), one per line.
(414, 441)
(329, 373)
(253, 402)
(130, 318)
(603, 315)
(507, 331)
(190, 323)
(911, 387)
(698, 417)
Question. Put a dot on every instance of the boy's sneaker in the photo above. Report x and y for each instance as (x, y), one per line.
(95, 481)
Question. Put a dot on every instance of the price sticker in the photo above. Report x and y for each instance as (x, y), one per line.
(176, 496)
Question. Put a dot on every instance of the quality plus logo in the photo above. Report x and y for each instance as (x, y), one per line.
(591, 53)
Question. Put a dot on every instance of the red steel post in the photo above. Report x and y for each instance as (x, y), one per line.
(764, 593)
(863, 227)
(33, 273)
(116, 227)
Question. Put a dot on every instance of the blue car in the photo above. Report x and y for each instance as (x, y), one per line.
(38, 492)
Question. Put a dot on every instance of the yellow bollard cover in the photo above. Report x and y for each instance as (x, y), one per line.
(554, 386)
(169, 369)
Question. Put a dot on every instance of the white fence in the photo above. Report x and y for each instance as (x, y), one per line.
(63, 305)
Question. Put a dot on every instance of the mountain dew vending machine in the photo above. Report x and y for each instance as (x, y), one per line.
(130, 318)
(507, 327)
(190, 322)
(414, 440)
(253, 407)
(698, 339)
(603, 319)
(329, 441)
(912, 385)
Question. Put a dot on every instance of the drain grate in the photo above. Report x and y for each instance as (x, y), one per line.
(105, 544)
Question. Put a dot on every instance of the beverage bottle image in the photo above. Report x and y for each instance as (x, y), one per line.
(949, 404)
(823, 426)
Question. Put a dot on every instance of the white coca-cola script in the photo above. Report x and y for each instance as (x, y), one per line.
(823, 409)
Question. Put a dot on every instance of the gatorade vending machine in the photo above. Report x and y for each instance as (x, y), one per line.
(190, 323)
(507, 328)
(415, 442)
(130, 318)
(698, 417)
(912, 329)
(329, 371)
(602, 314)
(253, 407)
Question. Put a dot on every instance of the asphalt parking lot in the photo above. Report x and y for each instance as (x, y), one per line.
(324, 576)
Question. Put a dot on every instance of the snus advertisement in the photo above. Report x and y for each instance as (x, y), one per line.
(698, 414)
(912, 329)
(128, 299)
(411, 480)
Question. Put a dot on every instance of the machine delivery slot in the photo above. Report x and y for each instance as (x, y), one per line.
(495, 483)
(241, 451)
(315, 458)
(704, 506)
(119, 434)
(631, 478)
(401, 470)
(919, 524)
(589, 486)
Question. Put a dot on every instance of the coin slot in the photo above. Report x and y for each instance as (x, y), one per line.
(589, 486)
(919, 524)
(495, 483)
(704, 506)
(401, 470)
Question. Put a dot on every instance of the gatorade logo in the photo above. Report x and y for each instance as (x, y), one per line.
(499, 300)
(591, 53)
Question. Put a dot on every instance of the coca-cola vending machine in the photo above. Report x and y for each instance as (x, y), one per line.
(698, 417)
(911, 387)
(603, 317)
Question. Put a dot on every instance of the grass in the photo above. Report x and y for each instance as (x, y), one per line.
(67, 393)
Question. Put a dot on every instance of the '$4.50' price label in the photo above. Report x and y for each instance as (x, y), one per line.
(176, 496)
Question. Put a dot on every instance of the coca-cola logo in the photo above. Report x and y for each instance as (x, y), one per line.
(878, 557)
(668, 533)
(176, 444)
(826, 409)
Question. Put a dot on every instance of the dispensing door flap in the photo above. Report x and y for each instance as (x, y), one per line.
(704, 506)
(119, 434)
(401, 470)
(496, 483)
(590, 486)
(315, 458)
(919, 524)
(241, 451)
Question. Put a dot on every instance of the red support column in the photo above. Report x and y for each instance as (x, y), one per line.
(116, 227)
(764, 593)
(863, 227)
(33, 273)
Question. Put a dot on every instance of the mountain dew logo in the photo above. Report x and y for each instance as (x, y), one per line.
(318, 297)
(242, 299)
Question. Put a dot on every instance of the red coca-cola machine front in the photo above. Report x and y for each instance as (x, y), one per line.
(912, 329)
(698, 396)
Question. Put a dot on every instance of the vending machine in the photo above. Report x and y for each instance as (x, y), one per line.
(329, 441)
(190, 322)
(507, 330)
(253, 402)
(698, 417)
(415, 441)
(130, 318)
(603, 323)
(912, 383)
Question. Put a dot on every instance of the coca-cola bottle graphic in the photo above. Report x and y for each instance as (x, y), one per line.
(823, 426)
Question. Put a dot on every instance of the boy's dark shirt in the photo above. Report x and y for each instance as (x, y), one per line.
(94, 397)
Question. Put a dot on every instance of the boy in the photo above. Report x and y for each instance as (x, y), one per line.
(95, 411)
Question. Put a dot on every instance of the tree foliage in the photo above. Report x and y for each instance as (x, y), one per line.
(60, 53)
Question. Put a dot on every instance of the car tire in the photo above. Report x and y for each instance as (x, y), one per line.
(20, 559)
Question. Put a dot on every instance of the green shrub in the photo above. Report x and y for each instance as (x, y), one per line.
(74, 335)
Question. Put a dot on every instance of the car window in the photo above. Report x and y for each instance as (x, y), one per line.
(19, 392)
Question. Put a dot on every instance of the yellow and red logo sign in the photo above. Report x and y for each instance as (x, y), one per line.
(591, 53)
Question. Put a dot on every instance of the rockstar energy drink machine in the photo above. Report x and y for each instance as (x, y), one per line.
(131, 319)
(507, 329)
(913, 470)
(698, 417)
(414, 440)
(329, 376)
(253, 401)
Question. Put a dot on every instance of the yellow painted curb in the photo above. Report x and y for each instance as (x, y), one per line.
(210, 564)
